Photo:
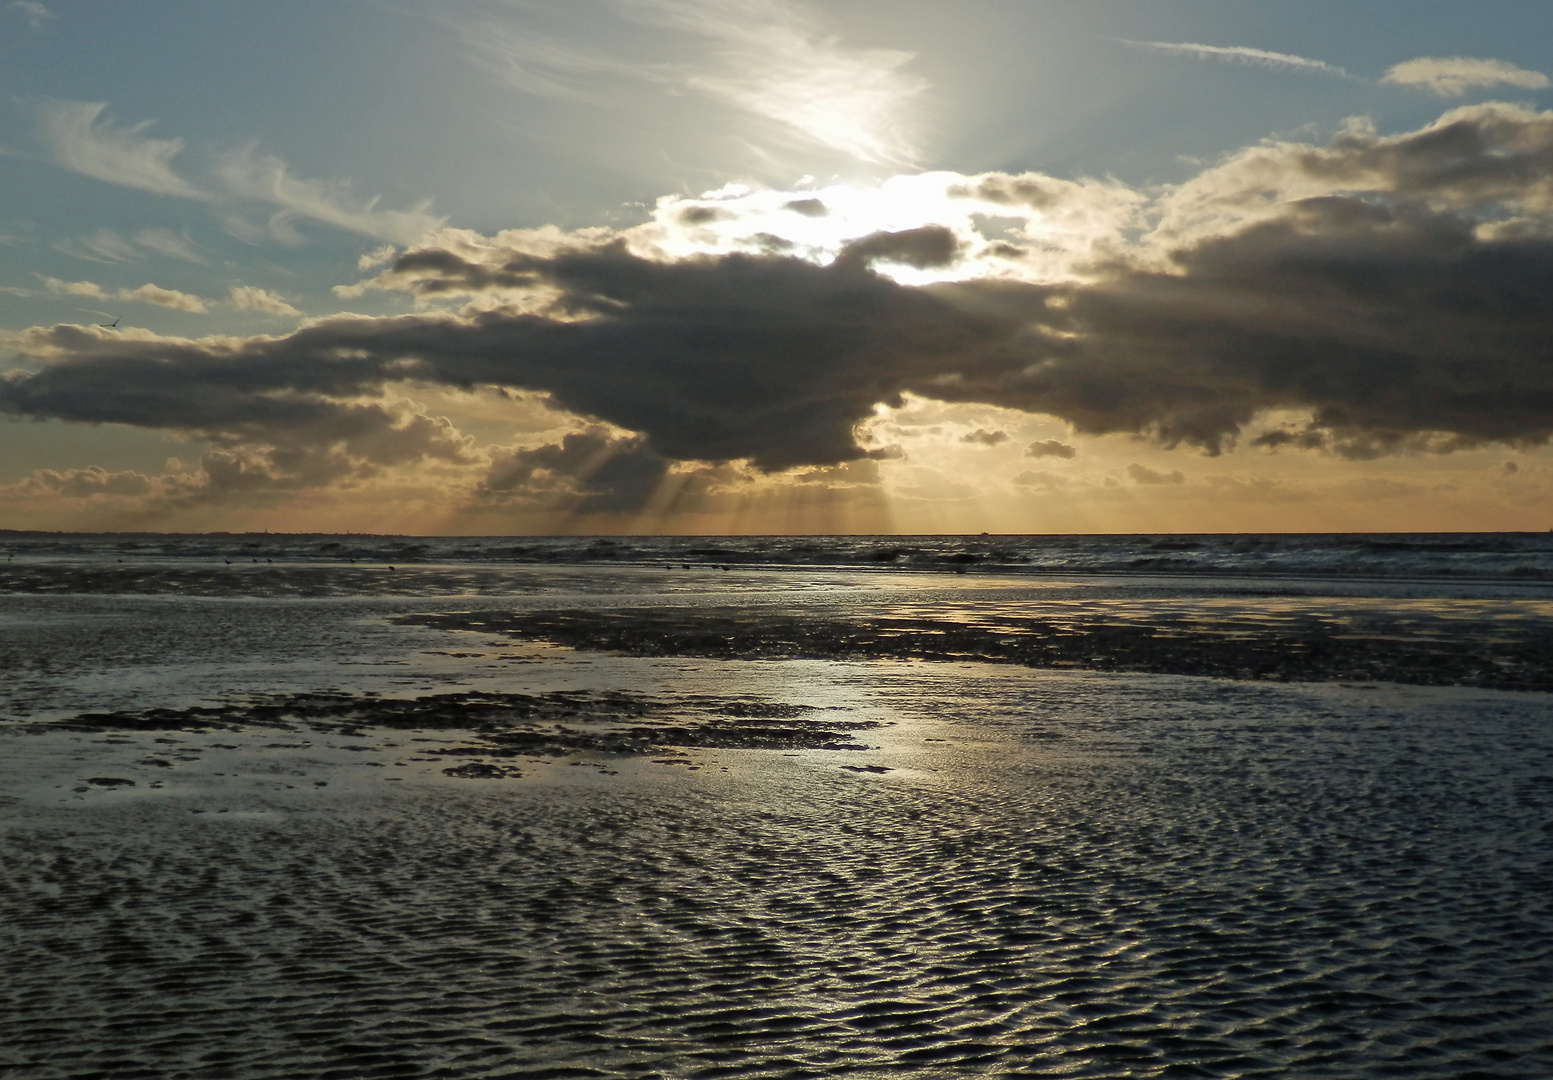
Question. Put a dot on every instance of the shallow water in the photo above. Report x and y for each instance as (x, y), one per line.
(1513, 559)
(1024, 871)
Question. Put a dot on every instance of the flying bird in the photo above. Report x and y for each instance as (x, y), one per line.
(114, 325)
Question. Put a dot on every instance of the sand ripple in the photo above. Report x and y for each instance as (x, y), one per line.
(1077, 876)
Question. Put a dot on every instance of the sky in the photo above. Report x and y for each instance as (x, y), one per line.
(767, 266)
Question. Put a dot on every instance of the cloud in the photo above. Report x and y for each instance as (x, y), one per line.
(168, 298)
(166, 242)
(1392, 290)
(107, 246)
(773, 60)
(73, 288)
(1045, 480)
(35, 13)
(779, 63)
(1453, 76)
(1050, 448)
(81, 140)
(250, 298)
(103, 246)
(1143, 475)
(376, 257)
(144, 294)
(983, 437)
(90, 482)
(769, 359)
(592, 471)
(540, 64)
(266, 178)
(1243, 54)
(261, 454)
(926, 247)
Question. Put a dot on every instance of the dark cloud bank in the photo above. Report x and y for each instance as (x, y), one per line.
(1392, 315)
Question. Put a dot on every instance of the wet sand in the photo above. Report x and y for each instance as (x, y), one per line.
(1043, 875)
(549, 830)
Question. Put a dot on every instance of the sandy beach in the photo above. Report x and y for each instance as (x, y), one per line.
(362, 836)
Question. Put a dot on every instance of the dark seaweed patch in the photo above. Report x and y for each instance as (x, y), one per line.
(1305, 647)
(509, 725)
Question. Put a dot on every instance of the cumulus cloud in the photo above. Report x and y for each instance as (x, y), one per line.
(1050, 448)
(1045, 480)
(1390, 289)
(90, 482)
(248, 473)
(1243, 54)
(251, 298)
(770, 359)
(983, 437)
(376, 257)
(168, 298)
(145, 294)
(591, 471)
(82, 140)
(1141, 474)
(73, 288)
(1453, 76)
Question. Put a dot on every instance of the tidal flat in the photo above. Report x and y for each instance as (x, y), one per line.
(677, 820)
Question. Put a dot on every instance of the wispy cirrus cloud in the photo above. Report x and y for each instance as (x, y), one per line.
(36, 14)
(102, 246)
(776, 61)
(108, 246)
(547, 66)
(1243, 54)
(81, 138)
(166, 242)
(1453, 76)
(266, 178)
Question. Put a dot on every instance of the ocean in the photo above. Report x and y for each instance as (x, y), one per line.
(1073, 806)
